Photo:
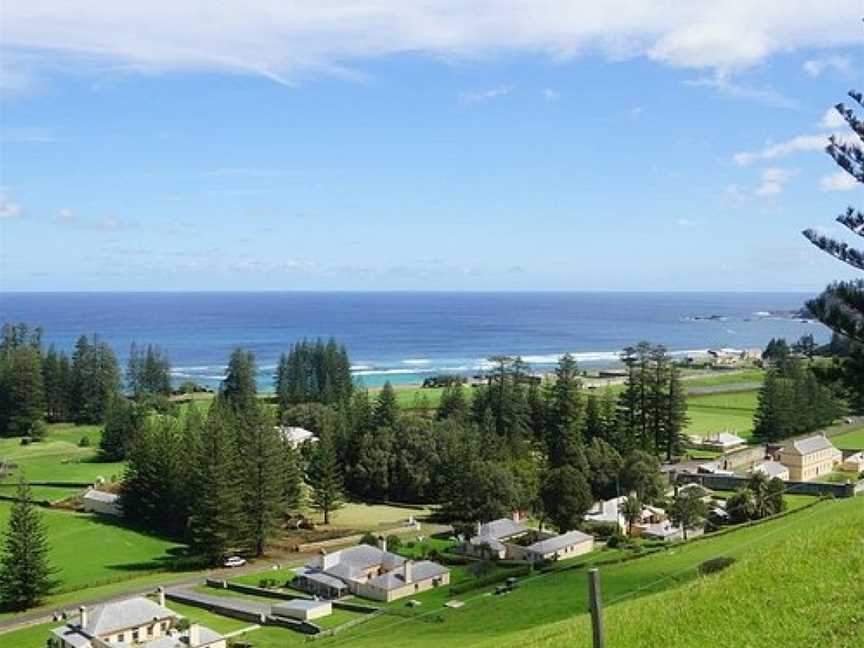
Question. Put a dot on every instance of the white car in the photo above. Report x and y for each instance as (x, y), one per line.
(234, 561)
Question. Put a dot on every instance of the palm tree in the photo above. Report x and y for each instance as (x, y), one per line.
(762, 504)
(631, 509)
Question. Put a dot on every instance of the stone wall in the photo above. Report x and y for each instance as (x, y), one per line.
(732, 482)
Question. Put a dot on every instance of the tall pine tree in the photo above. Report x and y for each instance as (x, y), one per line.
(25, 572)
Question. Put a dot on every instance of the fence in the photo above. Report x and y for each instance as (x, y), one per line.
(733, 482)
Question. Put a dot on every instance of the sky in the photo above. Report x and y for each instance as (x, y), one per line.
(384, 145)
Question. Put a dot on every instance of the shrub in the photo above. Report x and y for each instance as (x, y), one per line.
(25, 440)
(394, 543)
(715, 565)
(84, 442)
(369, 539)
(38, 431)
(616, 540)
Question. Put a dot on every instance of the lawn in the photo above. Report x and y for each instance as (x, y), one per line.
(726, 412)
(802, 588)
(490, 620)
(853, 440)
(356, 515)
(59, 457)
(217, 622)
(89, 550)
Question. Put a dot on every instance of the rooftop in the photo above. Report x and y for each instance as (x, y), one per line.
(556, 543)
(420, 571)
(119, 615)
(500, 529)
(101, 496)
(808, 445)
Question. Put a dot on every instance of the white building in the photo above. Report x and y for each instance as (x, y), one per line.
(137, 622)
(303, 609)
(507, 539)
(772, 469)
(854, 463)
(723, 441)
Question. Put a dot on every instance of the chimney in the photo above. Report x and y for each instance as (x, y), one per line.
(515, 516)
(194, 635)
(160, 591)
(84, 617)
(382, 543)
(325, 560)
(409, 571)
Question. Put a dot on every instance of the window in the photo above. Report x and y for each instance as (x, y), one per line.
(134, 635)
(121, 637)
(150, 630)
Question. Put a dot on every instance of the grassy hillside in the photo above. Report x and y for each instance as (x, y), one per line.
(851, 440)
(801, 588)
(488, 620)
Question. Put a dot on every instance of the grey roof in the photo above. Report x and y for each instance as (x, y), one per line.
(492, 543)
(724, 438)
(109, 617)
(300, 604)
(352, 561)
(772, 468)
(556, 543)
(858, 456)
(501, 529)
(315, 574)
(101, 496)
(808, 445)
(72, 636)
(420, 571)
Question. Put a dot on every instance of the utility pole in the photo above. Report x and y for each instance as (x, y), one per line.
(595, 603)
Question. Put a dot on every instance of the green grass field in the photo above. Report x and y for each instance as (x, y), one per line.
(799, 589)
(59, 457)
(850, 441)
(728, 412)
(356, 515)
(90, 551)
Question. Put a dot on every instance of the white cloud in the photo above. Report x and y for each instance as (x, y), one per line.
(839, 181)
(550, 95)
(841, 64)
(9, 209)
(486, 95)
(684, 222)
(774, 179)
(832, 119)
(281, 40)
(724, 85)
(107, 224)
(783, 149)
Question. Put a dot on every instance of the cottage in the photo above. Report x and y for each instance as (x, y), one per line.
(854, 462)
(507, 539)
(489, 540)
(773, 469)
(723, 442)
(371, 572)
(810, 458)
(611, 512)
(138, 622)
(554, 547)
(303, 609)
(96, 501)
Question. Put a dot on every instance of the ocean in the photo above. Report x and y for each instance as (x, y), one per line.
(404, 337)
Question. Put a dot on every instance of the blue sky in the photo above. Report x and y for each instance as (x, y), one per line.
(353, 146)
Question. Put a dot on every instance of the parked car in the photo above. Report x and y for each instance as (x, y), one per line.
(234, 561)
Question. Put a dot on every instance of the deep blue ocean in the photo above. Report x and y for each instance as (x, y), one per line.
(403, 337)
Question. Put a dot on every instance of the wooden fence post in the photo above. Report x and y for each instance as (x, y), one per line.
(595, 602)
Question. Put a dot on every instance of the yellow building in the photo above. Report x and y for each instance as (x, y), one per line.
(810, 458)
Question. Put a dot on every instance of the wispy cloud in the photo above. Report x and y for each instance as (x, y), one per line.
(281, 41)
(840, 64)
(774, 180)
(481, 96)
(839, 181)
(724, 84)
(68, 218)
(550, 94)
(797, 144)
(9, 209)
